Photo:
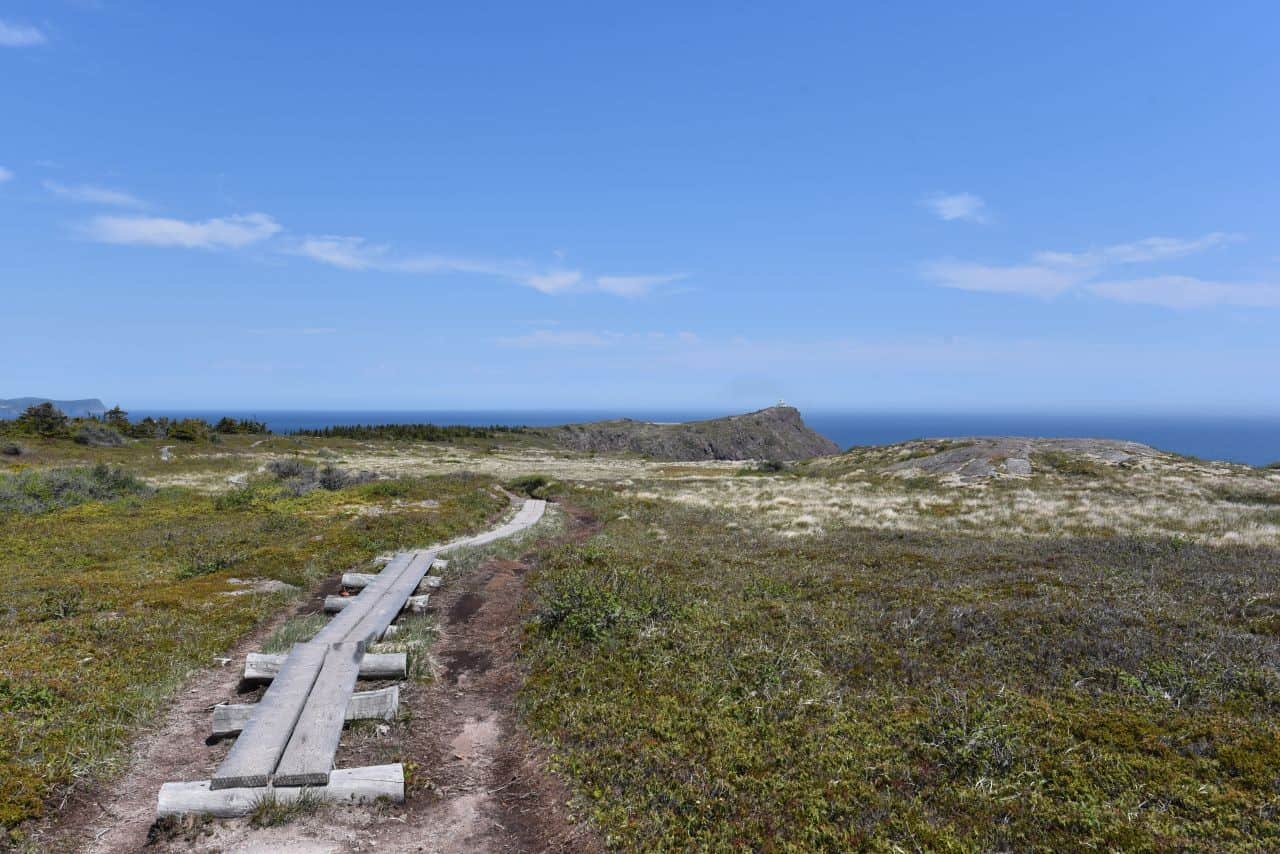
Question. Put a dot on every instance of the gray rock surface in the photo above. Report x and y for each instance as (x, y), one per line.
(978, 457)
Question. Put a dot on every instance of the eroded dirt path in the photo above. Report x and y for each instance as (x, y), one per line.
(476, 782)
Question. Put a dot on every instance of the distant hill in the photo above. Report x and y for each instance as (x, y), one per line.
(776, 433)
(14, 407)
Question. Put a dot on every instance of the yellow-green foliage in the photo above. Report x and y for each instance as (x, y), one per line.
(716, 689)
(109, 605)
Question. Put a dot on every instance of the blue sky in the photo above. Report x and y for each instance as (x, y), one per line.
(932, 206)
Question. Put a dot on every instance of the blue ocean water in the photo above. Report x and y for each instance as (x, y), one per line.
(1253, 440)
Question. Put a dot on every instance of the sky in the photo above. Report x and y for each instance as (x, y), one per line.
(919, 206)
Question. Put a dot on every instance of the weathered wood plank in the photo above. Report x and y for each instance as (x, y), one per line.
(380, 705)
(375, 622)
(416, 604)
(340, 626)
(263, 667)
(358, 580)
(308, 758)
(334, 604)
(254, 755)
(351, 785)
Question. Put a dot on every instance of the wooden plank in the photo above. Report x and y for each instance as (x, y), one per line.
(263, 667)
(308, 758)
(372, 626)
(254, 755)
(334, 604)
(349, 785)
(358, 580)
(380, 705)
(340, 626)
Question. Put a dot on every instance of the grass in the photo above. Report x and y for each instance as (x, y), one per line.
(113, 601)
(298, 629)
(708, 685)
(272, 811)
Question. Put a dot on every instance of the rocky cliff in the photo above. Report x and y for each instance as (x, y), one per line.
(776, 433)
(14, 407)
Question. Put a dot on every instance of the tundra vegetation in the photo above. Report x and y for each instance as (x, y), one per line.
(858, 651)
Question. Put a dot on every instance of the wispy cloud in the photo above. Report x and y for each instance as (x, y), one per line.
(1035, 280)
(5, 175)
(1138, 252)
(357, 254)
(966, 207)
(1050, 274)
(635, 286)
(232, 232)
(20, 35)
(1187, 292)
(93, 195)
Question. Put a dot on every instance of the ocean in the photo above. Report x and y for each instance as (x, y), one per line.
(1253, 440)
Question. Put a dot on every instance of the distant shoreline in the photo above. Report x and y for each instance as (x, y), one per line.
(1254, 440)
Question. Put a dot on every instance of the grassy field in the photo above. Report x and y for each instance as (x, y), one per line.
(713, 685)
(829, 655)
(111, 602)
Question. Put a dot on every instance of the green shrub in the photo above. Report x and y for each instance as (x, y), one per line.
(11, 449)
(532, 485)
(188, 430)
(44, 419)
(97, 436)
(39, 491)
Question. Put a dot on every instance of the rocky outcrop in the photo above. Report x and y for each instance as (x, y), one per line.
(776, 433)
(987, 456)
(14, 407)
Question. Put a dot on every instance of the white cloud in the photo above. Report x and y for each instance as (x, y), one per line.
(1029, 279)
(20, 35)
(232, 232)
(357, 254)
(347, 253)
(1140, 251)
(1187, 292)
(957, 206)
(5, 175)
(553, 281)
(1054, 273)
(92, 195)
(635, 286)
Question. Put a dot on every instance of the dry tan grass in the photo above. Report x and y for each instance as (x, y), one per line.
(1160, 494)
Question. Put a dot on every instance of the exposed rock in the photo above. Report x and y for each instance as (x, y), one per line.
(776, 433)
(1017, 466)
(982, 457)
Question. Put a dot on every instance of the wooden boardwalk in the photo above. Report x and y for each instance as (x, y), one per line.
(288, 740)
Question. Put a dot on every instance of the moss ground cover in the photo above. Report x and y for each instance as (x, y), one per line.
(710, 685)
(109, 604)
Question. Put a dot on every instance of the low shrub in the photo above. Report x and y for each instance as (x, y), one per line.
(532, 485)
(11, 449)
(40, 491)
(97, 436)
(299, 477)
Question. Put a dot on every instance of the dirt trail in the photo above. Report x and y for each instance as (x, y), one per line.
(476, 782)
